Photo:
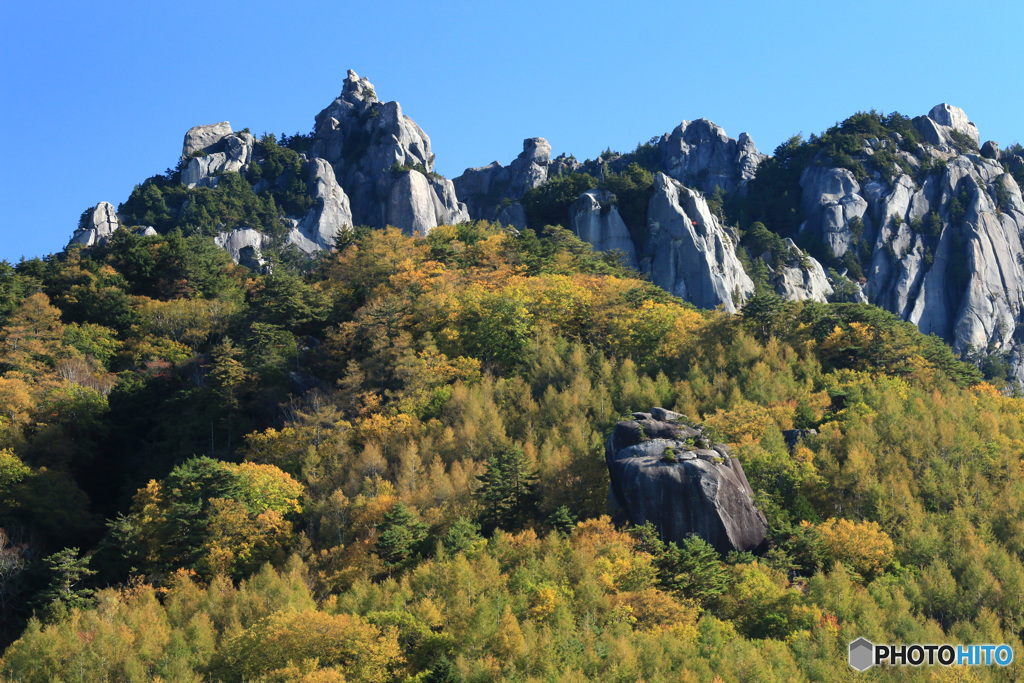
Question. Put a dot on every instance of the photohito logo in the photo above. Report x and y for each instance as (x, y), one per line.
(864, 654)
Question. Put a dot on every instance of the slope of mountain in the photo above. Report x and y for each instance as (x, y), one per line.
(390, 461)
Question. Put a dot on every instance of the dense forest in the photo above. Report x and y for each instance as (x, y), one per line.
(387, 464)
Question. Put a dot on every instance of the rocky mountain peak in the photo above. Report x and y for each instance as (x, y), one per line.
(943, 124)
(700, 154)
(356, 88)
(537, 150)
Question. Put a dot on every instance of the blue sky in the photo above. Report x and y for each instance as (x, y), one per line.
(97, 96)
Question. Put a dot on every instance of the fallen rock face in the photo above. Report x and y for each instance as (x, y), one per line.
(686, 251)
(665, 472)
(98, 227)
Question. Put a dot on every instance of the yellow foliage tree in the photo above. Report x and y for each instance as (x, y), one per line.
(862, 546)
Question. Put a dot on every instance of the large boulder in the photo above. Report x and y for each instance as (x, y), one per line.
(97, 226)
(595, 219)
(199, 138)
(667, 473)
(688, 253)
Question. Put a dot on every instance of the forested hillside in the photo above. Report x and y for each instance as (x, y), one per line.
(387, 464)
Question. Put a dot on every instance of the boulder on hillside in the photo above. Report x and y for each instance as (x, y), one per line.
(666, 472)
(800, 277)
(199, 138)
(244, 246)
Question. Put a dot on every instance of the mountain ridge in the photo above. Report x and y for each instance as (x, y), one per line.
(866, 193)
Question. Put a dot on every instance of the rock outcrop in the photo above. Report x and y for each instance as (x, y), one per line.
(799, 277)
(834, 207)
(686, 251)
(700, 154)
(486, 190)
(667, 473)
(942, 121)
(944, 244)
(372, 146)
(97, 227)
(222, 151)
(244, 246)
(595, 219)
(330, 214)
(199, 138)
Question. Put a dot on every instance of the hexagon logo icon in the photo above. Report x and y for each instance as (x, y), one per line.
(862, 654)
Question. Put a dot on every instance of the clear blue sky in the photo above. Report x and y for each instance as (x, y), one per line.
(95, 97)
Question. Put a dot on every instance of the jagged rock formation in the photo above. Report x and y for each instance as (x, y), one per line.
(595, 219)
(666, 472)
(700, 154)
(330, 214)
(945, 243)
(372, 146)
(935, 229)
(688, 253)
(222, 152)
(485, 189)
(97, 227)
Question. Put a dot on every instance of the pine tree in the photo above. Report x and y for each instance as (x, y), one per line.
(64, 592)
(461, 536)
(694, 569)
(227, 380)
(562, 520)
(399, 537)
(508, 491)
